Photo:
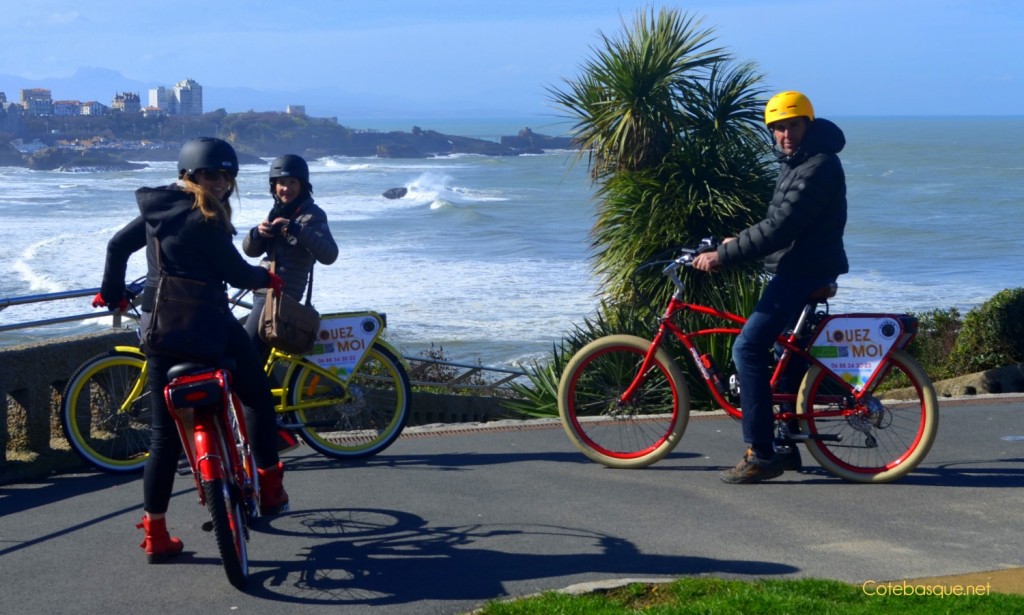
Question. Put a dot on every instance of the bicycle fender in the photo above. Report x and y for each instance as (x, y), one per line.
(208, 461)
(393, 351)
(130, 350)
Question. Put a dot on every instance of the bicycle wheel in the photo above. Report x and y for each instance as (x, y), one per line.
(228, 529)
(623, 434)
(105, 412)
(882, 438)
(358, 419)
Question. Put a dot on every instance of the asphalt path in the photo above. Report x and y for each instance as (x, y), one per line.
(444, 521)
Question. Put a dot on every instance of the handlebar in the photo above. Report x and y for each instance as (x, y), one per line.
(688, 254)
(134, 289)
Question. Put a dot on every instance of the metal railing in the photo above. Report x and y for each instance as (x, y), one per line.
(423, 371)
(33, 299)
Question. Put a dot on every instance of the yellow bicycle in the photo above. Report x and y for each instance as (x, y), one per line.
(348, 398)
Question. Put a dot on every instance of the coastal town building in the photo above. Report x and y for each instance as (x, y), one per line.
(163, 99)
(36, 101)
(127, 102)
(67, 108)
(10, 115)
(184, 98)
(189, 96)
(94, 108)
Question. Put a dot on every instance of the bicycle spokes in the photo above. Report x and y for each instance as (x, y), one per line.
(880, 436)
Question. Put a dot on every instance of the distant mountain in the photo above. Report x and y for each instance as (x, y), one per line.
(101, 84)
(87, 84)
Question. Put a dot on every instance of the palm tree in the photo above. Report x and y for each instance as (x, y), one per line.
(674, 140)
(672, 132)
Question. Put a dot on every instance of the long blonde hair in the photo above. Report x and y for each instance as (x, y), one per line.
(212, 208)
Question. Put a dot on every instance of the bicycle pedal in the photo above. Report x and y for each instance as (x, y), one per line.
(795, 438)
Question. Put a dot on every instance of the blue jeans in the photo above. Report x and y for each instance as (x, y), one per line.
(783, 299)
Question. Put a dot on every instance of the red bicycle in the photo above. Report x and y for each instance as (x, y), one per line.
(212, 428)
(865, 409)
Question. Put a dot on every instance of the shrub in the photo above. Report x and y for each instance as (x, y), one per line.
(992, 335)
(936, 337)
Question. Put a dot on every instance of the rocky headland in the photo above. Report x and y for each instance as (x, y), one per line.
(111, 143)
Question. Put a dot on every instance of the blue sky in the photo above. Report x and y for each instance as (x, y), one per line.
(430, 57)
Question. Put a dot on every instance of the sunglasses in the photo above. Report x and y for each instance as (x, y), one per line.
(212, 175)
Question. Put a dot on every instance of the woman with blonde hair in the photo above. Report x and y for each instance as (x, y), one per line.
(186, 230)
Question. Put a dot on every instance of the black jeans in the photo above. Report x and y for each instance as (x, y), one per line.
(249, 383)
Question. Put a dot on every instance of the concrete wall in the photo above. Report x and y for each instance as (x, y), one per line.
(33, 377)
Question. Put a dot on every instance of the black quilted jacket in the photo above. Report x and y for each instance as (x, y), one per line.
(803, 231)
(309, 240)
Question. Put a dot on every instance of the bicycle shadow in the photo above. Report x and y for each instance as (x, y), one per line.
(381, 557)
(972, 475)
(978, 474)
(448, 461)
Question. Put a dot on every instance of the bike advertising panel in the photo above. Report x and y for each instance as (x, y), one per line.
(343, 339)
(853, 346)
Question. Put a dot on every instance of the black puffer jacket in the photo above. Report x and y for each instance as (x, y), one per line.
(309, 239)
(803, 231)
(191, 247)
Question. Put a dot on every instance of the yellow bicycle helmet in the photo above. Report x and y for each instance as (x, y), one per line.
(785, 105)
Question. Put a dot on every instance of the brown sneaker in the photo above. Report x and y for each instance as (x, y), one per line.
(751, 469)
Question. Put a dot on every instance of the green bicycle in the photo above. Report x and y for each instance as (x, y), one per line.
(349, 398)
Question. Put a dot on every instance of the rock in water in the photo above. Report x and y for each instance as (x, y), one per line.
(395, 193)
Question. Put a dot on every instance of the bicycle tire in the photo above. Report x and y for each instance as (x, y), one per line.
(228, 529)
(91, 413)
(886, 438)
(360, 419)
(634, 435)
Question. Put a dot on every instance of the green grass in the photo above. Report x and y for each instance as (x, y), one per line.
(717, 596)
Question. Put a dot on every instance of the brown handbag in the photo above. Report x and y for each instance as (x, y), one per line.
(289, 325)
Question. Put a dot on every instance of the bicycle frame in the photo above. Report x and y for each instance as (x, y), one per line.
(206, 412)
(344, 339)
(212, 429)
(853, 391)
(624, 402)
(334, 358)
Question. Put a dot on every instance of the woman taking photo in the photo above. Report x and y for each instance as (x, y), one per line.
(189, 222)
(294, 235)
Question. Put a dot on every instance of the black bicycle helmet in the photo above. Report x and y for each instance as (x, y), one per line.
(207, 153)
(289, 165)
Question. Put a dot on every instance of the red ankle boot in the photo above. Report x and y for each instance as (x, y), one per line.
(273, 497)
(159, 545)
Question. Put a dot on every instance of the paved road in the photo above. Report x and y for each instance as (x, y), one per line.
(443, 523)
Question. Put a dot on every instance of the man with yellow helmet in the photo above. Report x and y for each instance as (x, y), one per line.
(801, 241)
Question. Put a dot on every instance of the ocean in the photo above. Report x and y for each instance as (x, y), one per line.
(488, 258)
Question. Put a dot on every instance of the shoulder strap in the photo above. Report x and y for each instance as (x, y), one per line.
(159, 263)
(273, 264)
